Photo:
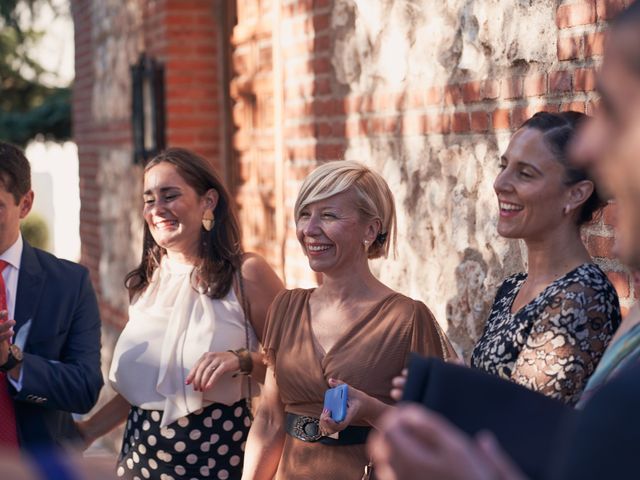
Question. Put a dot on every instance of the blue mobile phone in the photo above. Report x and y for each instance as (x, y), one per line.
(335, 400)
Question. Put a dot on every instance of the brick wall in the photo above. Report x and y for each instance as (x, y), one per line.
(427, 92)
(327, 118)
(185, 36)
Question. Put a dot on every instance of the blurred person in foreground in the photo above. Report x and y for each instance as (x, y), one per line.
(49, 328)
(351, 329)
(416, 443)
(184, 364)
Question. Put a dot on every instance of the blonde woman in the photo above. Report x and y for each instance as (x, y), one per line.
(351, 329)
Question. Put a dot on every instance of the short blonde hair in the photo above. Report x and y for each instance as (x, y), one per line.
(375, 200)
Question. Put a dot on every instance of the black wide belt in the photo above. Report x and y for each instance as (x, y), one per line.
(307, 429)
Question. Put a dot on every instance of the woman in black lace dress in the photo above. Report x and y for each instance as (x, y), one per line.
(549, 326)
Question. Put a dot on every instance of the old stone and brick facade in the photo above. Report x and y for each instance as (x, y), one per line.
(425, 91)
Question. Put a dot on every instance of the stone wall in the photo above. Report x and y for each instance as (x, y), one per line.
(426, 92)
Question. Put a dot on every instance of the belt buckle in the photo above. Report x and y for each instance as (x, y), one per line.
(302, 430)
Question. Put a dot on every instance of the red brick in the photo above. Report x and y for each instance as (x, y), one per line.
(322, 129)
(321, 22)
(500, 119)
(621, 282)
(574, 106)
(490, 89)
(329, 151)
(415, 99)
(584, 80)
(569, 48)
(560, 82)
(434, 95)
(575, 14)
(479, 121)
(535, 84)
(471, 92)
(600, 246)
(321, 65)
(518, 116)
(460, 122)
(511, 88)
(594, 44)
(452, 94)
(608, 9)
(438, 124)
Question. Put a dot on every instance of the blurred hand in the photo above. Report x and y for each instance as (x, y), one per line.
(415, 443)
(6, 334)
(210, 367)
(397, 385)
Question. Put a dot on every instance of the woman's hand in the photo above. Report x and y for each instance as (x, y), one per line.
(359, 405)
(210, 367)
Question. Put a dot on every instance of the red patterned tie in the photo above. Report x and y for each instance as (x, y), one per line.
(8, 430)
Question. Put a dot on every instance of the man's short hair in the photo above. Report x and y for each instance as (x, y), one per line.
(15, 171)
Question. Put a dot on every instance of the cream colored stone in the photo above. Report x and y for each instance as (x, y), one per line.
(121, 223)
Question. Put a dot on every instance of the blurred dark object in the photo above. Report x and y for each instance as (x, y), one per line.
(147, 109)
(525, 423)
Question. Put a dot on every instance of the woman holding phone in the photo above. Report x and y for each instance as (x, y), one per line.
(352, 329)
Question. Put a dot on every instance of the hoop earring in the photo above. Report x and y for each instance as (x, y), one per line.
(208, 220)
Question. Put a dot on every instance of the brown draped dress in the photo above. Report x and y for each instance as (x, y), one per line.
(367, 357)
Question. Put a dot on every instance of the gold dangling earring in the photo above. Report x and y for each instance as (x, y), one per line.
(208, 220)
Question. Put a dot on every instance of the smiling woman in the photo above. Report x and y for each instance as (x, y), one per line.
(351, 329)
(198, 305)
(548, 327)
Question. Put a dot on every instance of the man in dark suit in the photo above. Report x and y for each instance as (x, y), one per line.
(49, 327)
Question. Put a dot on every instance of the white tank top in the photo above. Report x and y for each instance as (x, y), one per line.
(170, 326)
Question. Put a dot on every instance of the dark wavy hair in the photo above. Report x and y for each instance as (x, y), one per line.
(558, 130)
(15, 171)
(220, 251)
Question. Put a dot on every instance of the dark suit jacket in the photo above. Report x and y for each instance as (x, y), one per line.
(546, 439)
(602, 441)
(61, 367)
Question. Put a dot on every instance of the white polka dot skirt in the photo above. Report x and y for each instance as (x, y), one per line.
(205, 444)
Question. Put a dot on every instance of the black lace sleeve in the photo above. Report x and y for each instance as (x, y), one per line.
(568, 337)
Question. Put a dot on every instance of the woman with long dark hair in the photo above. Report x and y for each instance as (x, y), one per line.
(198, 305)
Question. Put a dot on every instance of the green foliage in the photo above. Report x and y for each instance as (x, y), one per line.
(28, 108)
(35, 231)
(51, 119)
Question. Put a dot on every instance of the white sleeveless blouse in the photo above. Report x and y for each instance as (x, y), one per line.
(170, 326)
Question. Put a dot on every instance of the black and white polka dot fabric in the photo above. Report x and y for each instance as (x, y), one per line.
(207, 444)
